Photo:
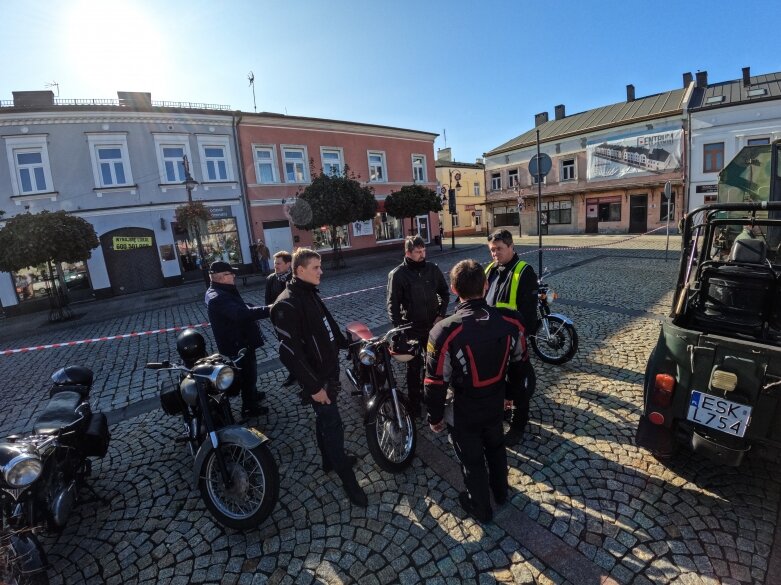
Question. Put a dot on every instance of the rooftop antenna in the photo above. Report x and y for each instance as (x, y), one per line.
(55, 85)
(251, 77)
(444, 135)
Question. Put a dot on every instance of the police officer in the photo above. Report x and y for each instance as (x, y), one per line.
(417, 294)
(480, 352)
(234, 328)
(309, 343)
(512, 284)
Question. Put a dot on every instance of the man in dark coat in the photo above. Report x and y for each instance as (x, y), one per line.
(309, 344)
(417, 294)
(234, 326)
(276, 283)
(478, 352)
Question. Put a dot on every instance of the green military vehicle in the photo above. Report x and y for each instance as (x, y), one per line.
(713, 381)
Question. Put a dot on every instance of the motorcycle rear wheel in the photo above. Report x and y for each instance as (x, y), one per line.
(255, 490)
(561, 343)
(391, 446)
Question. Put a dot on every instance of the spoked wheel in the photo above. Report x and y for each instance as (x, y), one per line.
(555, 341)
(254, 485)
(11, 571)
(392, 445)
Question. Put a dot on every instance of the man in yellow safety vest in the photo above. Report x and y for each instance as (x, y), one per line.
(512, 284)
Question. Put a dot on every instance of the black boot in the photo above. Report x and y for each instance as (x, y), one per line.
(354, 492)
(328, 468)
(253, 410)
(289, 380)
(484, 516)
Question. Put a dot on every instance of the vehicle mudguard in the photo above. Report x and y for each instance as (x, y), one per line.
(374, 403)
(29, 553)
(564, 318)
(247, 438)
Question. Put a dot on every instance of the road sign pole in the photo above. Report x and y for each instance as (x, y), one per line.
(539, 206)
(667, 193)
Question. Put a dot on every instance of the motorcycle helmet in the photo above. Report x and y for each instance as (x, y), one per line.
(191, 346)
(401, 349)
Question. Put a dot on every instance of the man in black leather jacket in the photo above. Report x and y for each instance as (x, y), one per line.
(276, 283)
(309, 343)
(417, 294)
(234, 326)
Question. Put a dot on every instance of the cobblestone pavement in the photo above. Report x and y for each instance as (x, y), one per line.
(587, 505)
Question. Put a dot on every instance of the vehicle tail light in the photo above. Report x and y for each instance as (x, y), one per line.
(664, 386)
(656, 418)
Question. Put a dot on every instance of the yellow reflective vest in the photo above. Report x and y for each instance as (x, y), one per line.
(516, 277)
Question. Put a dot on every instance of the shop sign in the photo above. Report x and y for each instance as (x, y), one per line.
(707, 189)
(651, 153)
(132, 242)
(220, 212)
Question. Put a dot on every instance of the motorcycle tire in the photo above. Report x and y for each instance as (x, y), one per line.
(11, 574)
(391, 447)
(255, 490)
(560, 345)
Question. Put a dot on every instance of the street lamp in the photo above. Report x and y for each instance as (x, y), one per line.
(452, 203)
(190, 184)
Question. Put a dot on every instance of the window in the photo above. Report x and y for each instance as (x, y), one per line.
(377, 167)
(332, 161)
(322, 237)
(110, 163)
(757, 141)
(418, 168)
(558, 212)
(171, 150)
(295, 169)
(454, 219)
(512, 178)
(713, 157)
(265, 165)
(610, 211)
(387, 227)
(476, 189)
(28, 161)
(568, 170)
(215, 157)
(663, 207)
(496, 181)
(506, 216)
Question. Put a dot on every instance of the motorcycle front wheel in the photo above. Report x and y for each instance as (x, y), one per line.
(392, 445)
(254, 488)
(11, 572)
(559, 344)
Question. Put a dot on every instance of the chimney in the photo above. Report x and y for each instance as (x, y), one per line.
(630, 93)
(746, 76)
(560, 112)
(687, 79)
(479, 160)
(702, 79)
(33, 98)
(134, 99)
(540, 119)
(444, 154)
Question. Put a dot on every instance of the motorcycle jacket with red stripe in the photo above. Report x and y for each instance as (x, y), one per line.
(480, 352)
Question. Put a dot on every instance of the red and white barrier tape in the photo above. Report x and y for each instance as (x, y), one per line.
(341, 295)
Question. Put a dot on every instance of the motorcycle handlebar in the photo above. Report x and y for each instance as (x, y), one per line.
(158, 365)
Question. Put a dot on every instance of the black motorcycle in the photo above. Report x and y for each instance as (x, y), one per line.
(43, 473)
(555, 340)
(390, 430)
(234, 469)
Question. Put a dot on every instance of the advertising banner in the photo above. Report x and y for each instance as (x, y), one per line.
(645, 154)
(131, 242)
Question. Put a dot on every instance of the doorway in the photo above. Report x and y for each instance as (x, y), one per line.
(592, 217)
(277, 236)
(638, 214)
(421, 224)
(132, 261)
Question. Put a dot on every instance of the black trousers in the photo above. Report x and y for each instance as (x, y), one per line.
(330, 432)
(415, 371)
(249, 378)
(521, 398)
(478, 446)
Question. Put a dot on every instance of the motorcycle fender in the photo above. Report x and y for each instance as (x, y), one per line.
(29, 552)
(374, 403)
(247, 438)
(564, 318)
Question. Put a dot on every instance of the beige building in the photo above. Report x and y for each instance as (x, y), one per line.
(468, 179)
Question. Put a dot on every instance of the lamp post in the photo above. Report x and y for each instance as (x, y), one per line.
(452, 203)
(190, 184)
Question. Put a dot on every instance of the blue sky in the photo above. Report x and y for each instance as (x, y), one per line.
(479, 70)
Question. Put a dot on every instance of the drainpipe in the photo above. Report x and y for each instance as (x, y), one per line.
(243, 182)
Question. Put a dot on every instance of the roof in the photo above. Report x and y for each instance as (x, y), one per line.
(734, 92)
(647, 108)
(461, 165)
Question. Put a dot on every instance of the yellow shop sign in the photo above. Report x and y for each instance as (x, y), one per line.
(132, 242)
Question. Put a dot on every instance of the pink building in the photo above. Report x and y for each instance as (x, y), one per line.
(277, 151)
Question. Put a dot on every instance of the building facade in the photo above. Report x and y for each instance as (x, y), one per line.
(280, 153)
(119, 164)
(723, 118)
(469, 181)
(608, 172)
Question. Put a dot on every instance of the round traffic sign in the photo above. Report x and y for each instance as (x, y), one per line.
(540, 165)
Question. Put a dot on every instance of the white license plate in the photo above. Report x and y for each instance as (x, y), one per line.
(720, 414)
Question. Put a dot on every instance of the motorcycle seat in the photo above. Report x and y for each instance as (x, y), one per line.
(59, 413)
(359, 331)
(73, 375)
(82, 390)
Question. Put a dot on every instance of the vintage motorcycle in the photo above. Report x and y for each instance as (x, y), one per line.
(555, 340)
(234, 469)
(390, 429)
(43, 473)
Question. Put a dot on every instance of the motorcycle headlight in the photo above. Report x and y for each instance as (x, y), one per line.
(222, 377)
(367, 356)
(22, 470)
(549, 296)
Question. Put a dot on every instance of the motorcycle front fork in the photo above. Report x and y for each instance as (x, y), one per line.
(396, 406)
